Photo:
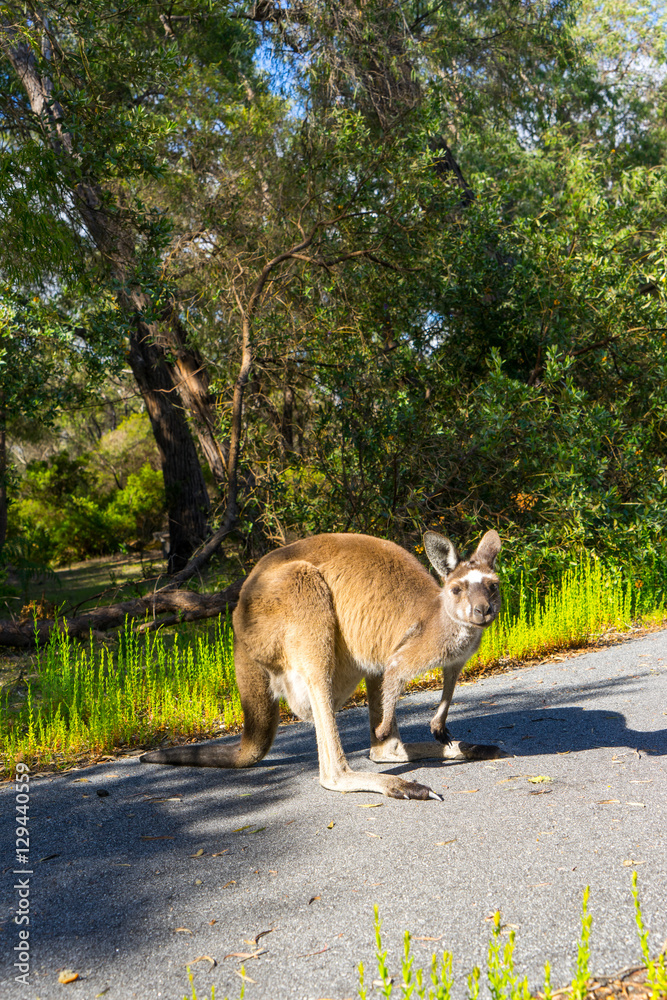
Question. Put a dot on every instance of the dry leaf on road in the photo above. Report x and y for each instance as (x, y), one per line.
(198, 853)
(67, 976)
(258, 936)
(309, 954)
(241, 973)
(246, 954)
(202, 958)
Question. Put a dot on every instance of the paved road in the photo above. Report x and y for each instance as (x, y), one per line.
(281, 853)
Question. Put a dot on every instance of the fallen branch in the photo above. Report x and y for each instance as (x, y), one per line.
(181, 605)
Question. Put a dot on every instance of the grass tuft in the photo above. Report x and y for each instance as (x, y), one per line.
(88, 698)
(502, 980)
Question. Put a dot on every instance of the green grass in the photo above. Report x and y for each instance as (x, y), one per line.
(584, 602)
(97, 699)
(503, 982)
(502, 979)
(90, 699)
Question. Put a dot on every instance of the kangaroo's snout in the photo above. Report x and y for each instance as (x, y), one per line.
(482, 612)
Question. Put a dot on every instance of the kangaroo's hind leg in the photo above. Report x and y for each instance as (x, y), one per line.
(260, 721)
(309, 649)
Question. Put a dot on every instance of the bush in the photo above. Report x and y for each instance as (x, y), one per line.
(136, 511)
(60, 511)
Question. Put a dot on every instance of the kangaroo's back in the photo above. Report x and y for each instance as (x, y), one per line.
(379, 591)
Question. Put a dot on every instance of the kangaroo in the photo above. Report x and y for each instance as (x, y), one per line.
(317, 616)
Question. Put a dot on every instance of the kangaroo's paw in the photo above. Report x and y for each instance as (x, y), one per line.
(441, 733)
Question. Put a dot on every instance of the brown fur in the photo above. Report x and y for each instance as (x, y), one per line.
(317, 616)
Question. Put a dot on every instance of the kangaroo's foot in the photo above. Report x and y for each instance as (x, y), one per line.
(393, 751)
(386, 784)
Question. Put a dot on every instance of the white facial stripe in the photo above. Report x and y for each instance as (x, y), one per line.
(475, 576)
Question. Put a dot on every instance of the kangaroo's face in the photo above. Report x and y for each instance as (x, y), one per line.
(471, 591)
(472, 594)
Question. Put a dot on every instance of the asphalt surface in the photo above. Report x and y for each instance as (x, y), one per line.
(179, 863)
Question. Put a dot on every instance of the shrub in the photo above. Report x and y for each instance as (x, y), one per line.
(136, 511)
(60, 511)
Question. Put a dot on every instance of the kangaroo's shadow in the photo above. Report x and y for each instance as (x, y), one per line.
(540, 732)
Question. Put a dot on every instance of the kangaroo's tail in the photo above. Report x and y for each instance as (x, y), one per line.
(197, 755)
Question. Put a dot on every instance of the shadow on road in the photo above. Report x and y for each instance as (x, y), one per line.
(532, 720)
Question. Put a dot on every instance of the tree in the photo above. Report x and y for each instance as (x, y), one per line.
(83, 115)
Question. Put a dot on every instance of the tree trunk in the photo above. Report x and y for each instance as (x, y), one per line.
(193, 386)
(181, 605)
(185, 490)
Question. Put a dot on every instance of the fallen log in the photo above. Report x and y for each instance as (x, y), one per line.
(180, 605)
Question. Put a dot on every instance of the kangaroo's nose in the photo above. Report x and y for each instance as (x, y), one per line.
(481, 611)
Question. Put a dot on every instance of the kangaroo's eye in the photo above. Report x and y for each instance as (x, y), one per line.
(456, 590)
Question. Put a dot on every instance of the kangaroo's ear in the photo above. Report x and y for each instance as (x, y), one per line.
(441, 553)
(488, 549)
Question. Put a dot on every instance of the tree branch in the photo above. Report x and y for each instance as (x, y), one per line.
(184, 605)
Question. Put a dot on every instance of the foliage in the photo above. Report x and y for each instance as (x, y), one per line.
(57, 513)
(137, 510)
(515, 391)
(123, 450)
(438, 230)
(62, 511)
